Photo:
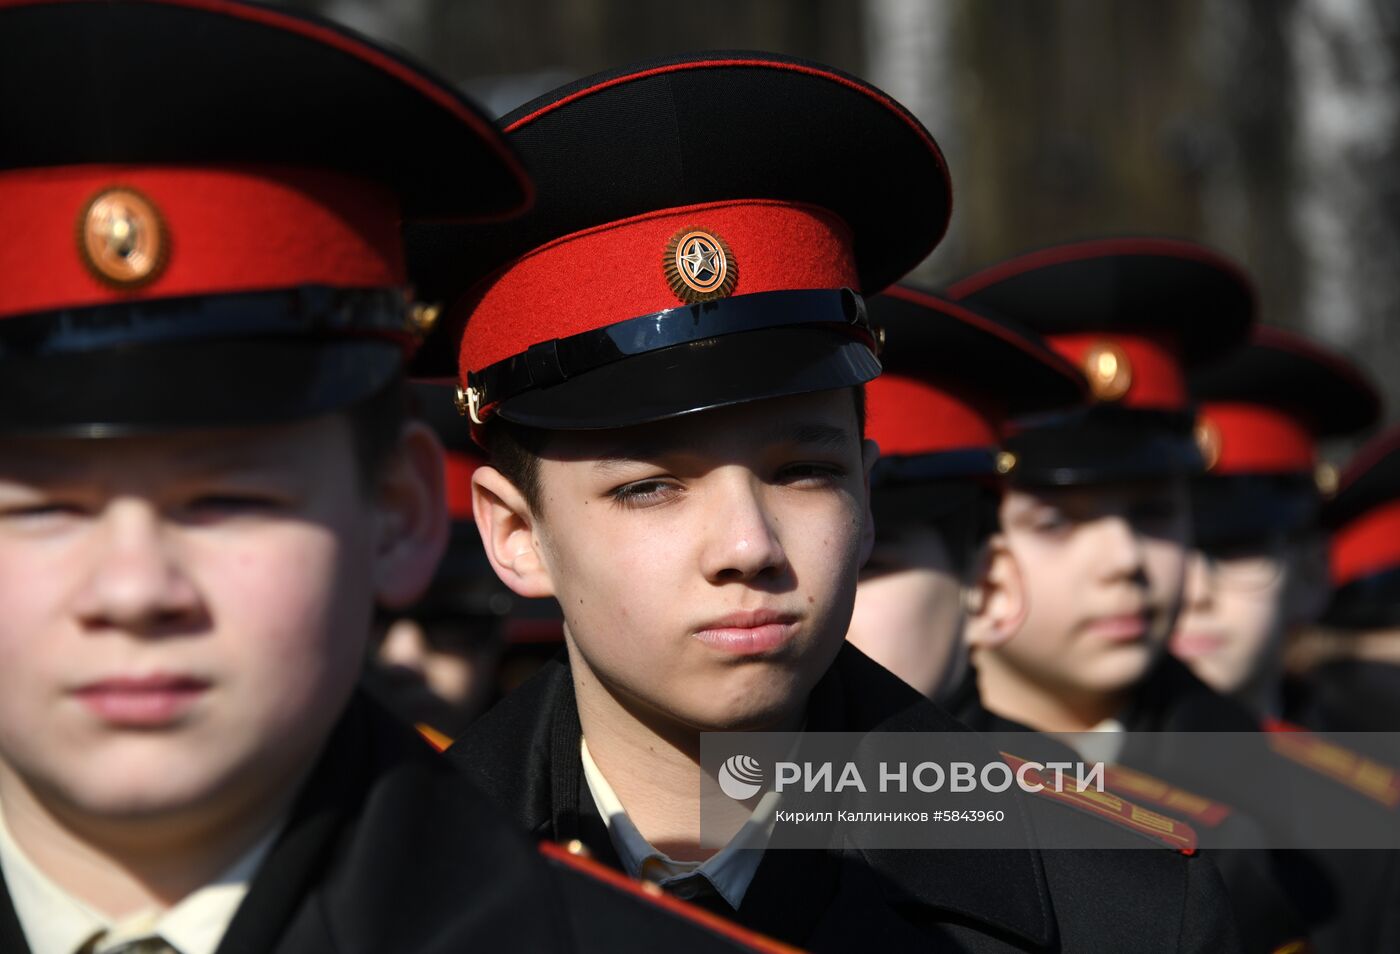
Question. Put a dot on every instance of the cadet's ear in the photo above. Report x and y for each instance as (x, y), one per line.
(869, 454)
(413, 524)
(1309, 581)
(507, 528)
(996, 601)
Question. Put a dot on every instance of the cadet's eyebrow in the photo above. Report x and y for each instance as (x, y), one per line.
(807, 434)
(789, 433)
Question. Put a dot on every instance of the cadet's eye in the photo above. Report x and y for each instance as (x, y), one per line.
(38, 511)
(1157, 510)
(1050, 520)
(643, 493)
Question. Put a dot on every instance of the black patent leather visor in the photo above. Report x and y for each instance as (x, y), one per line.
(684, 360)
(216, 361)
(1103, 445)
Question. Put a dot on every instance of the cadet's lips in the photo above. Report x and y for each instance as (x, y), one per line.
(1195, 645)
(142, 701)
(749, 633)
(1124, 628)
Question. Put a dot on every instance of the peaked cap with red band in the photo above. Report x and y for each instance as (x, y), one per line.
(204, 201)
(952, 377)
(1134, 314)
(1364, 519)
(704, 228)
(1261, 412)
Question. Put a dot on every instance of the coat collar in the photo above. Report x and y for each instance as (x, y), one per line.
(525, 753)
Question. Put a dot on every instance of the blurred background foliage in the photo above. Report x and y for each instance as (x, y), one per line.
(1269, 129)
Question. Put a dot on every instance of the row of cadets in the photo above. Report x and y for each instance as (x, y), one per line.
(1355, 687)
(1096, 523)
(665, 365)
(941, 580)
(207, 481)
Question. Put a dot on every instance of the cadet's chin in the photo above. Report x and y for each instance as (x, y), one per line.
(1118, 670)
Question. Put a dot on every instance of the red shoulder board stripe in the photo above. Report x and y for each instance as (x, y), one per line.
(1158, 793)
(1112, 808)
(653, 894)
(435, 738)
(1376, 781)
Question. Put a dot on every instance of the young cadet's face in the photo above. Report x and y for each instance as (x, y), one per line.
(908, 614)
(1238, 606)
(706, 565)
(184, 615)
(1102, 568)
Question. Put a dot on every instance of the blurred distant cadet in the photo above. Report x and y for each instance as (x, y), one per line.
(1258, 569)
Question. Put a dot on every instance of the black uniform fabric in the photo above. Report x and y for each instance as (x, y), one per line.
(525, 754)
(1349, 695)
(1347, 897)
(388, 849)
(1265, 916)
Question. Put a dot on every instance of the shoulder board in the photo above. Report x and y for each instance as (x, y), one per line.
(575, 855)
(1376, 781)
(435, 738)
(1154, 791)
(1116, 810)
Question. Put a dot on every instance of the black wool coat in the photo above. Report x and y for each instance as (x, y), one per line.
(525, 755)
(388, 849)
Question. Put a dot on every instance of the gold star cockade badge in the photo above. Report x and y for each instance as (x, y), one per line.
(122, 238)
(1109, 371)
(1208, 442)
(699, 266)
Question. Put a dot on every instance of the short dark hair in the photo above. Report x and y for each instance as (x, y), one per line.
(515, 450)
(375, 425)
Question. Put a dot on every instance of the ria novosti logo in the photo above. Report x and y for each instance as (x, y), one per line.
(740, 777)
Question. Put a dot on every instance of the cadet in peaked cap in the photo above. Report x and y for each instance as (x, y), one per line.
(666, 368)
(951, 379)
(1357, 690)
(1259, 568)
(1095, 515)
(1096, 523)
(206, 482)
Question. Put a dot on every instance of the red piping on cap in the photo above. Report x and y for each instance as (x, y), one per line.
(1098, 248)
(1258, 439)
(909, 416)
(1377, 450)
(429, 87)
(1369, 544)
(225, 229)
(851, 84)
(981, 323)
(613, 272)
(1155, 381)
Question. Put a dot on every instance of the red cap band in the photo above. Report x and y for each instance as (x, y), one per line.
(1369, 544)
(908, 416)
(1255, 439)
(458, 478)
(603, 275)
(1144, 370)
(221, 230)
